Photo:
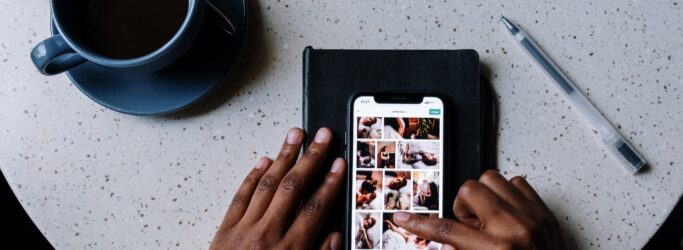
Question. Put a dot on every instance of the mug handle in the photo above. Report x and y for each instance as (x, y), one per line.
(53, 56)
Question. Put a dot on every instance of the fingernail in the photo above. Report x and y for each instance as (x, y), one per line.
(337, 166)
(262, 163)
(322, 136)
(401, 217)
(293, 136)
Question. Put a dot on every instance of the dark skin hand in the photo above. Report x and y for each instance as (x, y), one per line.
(269, 210)
(492, 213)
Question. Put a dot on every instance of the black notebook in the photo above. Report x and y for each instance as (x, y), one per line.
(330, 77)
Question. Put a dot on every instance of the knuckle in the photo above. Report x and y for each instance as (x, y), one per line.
(312, 206)
(237, 200)
(236, 241)
(330, 181)
(285, 153)
(468, 189)
(292, 182)
(267, 183)
(256, 244)
(489, 176)
(251, 178)
(314, 152)
(443, 229)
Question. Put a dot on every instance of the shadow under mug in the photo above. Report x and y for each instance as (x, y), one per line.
(67, 50)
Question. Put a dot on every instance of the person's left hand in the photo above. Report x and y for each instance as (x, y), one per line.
(268, 212)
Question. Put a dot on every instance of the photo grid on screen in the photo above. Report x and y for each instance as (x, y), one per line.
(398, 163)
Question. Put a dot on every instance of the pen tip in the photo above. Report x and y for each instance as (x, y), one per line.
(508, 24)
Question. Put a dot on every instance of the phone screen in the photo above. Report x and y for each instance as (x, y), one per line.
(397, 163)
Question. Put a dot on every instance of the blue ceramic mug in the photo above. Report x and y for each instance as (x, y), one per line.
(70, 48)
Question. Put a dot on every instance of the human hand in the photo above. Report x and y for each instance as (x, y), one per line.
(491, 214)
(268, 212)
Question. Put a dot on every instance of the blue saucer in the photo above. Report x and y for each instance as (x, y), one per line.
(180, 85)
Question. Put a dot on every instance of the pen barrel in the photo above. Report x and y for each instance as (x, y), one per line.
(615, 143)
(542, 60)
(566, 87)
(594, 118)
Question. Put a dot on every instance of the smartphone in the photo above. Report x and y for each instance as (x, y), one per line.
(395, 146)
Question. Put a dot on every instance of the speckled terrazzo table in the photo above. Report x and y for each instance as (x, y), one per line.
(93, 178)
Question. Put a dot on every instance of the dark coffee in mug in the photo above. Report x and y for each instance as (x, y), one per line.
(125, 29)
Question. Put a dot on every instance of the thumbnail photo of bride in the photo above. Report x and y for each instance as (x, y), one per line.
(365, 154)
(386, 158)
(397, 190)
(368, 190)
(369, 128)
(418, 154)
(368, 228)
(426, 190)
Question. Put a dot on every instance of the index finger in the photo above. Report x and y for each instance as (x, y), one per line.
(504, 189)
(476, 199)
(444, 231)
(525, 188)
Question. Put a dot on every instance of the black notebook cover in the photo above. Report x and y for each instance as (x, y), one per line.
(330, 77)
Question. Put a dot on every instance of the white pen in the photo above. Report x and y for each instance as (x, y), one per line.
(609, 136)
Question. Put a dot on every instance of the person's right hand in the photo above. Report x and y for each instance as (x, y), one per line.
(491, 214)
